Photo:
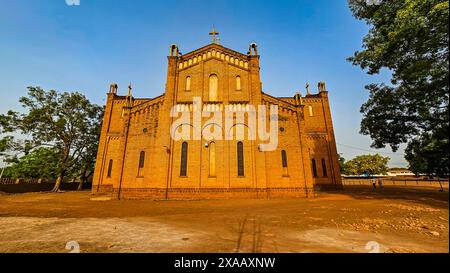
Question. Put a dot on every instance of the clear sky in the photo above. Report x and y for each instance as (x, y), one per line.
(84, 48)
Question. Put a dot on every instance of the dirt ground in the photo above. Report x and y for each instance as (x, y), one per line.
(357, 219)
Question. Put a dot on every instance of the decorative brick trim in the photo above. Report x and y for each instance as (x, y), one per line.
(212, 193)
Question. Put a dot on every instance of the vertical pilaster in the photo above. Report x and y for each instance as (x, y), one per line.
(256, 100)
(331, 140)
(121, 160)
(101, 153)
(165, 146)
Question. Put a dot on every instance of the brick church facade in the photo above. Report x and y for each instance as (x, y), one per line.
(138, 157)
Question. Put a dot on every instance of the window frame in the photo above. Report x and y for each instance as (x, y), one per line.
(212, 159)
(214, 98)
(284, 163)
(184, 159)
(324, 168)
(314, 168)
(109, 170)
(141, 160)
(240, 159)
(188, 83)
(238, 83)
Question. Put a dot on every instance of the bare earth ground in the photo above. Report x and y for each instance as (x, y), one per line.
(397, 219)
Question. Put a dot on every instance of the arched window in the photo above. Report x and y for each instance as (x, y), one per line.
(212, 159)
(284, 162)
(141, 163)
(314, 167)
(110, 165)
(324, 168)
(311, 113)
(184, 155)
(188, 83)
(238, 83)
(141, 159)
(240, 158)
(213, 87)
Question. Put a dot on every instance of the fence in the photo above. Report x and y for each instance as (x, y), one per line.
(411, 182)
(11, 181)
(9, 185)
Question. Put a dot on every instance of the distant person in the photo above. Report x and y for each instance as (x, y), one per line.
(374, 183)
(380, 182)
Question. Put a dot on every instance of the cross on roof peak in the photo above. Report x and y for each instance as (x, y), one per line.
(214, 33)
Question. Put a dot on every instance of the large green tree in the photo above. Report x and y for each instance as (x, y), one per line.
(67, 122)
(409, 38)
(11, 148)
(367, 164)
(39, 163)
(6, 139)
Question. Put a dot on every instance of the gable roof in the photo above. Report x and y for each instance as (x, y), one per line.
(216, 47)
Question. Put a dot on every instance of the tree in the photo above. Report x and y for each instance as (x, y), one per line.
(66, 121)
(39, 164)
(342, 165)
(409, 38)
(11, 147)
(89, 154)
(367, 164)
(6, 140)
(425, 155)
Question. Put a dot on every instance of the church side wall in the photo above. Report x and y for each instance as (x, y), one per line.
(321, 143)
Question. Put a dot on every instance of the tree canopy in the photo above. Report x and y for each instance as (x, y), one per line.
(39, 164)
(409, 38)
(66, 123)
(367, 164)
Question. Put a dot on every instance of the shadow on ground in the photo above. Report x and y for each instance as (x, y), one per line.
(419, 195)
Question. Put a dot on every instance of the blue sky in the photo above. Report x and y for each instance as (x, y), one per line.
(83, 48)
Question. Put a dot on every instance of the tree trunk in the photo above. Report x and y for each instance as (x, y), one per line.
(83, 179)
(80, 185)
(59, 181)
(57, 184)
(440, 184)
(62, 170)
(84, 176)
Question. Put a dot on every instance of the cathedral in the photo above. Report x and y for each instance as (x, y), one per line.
(200, 139)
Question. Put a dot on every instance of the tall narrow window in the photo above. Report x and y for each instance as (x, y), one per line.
(212, 159)
(184, 155)
(141, 163)
(284, 163)
(240, 158)
(238, 83)
(109, 168)
(213, 87)
(314, 167)
(311, 113)
(188, 83)
(324, 168)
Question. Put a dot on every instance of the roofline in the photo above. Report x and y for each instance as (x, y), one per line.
(196, 51)
(122, 97)
(279, 99)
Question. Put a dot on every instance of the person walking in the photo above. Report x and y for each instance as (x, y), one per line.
(374, 183)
